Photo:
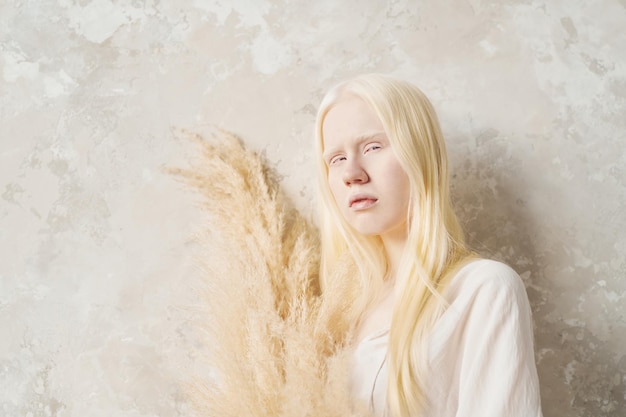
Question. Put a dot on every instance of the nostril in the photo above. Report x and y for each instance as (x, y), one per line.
(354, 174)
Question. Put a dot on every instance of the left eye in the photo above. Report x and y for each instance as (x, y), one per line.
(372, 148)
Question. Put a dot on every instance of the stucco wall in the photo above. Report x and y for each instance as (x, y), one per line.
(96, 255)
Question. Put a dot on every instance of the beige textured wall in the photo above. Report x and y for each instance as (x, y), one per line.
(96, 265)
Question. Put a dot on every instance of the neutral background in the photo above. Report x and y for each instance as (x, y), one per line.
(97, 273)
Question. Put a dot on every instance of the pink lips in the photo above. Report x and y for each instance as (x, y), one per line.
(362, 201)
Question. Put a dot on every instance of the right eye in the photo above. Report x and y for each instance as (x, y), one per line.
(336, 159)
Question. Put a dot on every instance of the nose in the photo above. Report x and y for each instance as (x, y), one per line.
(354, 174)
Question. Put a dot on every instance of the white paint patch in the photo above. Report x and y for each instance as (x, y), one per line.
(16, 66)
(99, 19)
(574, 322)
(251, 12)
(580, 260)
(64, 151)
(569, 371)
(612, 296)
(58, 85)
(52, 87)
(269, 55)
(488, 47)
(543, 353)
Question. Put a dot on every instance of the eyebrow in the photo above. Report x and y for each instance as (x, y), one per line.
(355, 140)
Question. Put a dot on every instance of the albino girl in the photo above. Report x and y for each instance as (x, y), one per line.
(438, 331)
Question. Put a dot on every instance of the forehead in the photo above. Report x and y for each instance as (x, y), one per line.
(349, 119)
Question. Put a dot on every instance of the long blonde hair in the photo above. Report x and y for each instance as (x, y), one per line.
(435, 245)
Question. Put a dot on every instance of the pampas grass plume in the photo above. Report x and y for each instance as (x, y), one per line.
(277, 346)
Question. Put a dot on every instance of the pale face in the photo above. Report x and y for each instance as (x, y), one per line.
(364, 174)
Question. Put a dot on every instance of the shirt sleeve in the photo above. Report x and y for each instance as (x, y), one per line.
(497, 375)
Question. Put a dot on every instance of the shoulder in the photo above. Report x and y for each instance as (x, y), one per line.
(481, 349)
(483, 298)
(488, 273)
(485, 301)
(485, 278)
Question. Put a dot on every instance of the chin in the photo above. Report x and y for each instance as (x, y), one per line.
(378, 230)
(367, 231)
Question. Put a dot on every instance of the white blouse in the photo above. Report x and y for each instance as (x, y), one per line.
(480, 355)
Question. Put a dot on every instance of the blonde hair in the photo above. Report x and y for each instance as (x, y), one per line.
(435, 245)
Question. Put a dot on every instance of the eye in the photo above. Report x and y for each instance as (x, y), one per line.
(372, 147)
(336, 159)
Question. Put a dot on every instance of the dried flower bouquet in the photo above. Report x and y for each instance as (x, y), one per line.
(278, 347)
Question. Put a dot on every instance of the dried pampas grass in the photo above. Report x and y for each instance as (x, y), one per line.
(276, 345)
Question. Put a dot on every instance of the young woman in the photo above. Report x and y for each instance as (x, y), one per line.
(438, 331)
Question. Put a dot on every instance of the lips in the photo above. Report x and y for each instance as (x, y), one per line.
(362, 201)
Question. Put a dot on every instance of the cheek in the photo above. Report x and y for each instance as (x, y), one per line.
(401, 180)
